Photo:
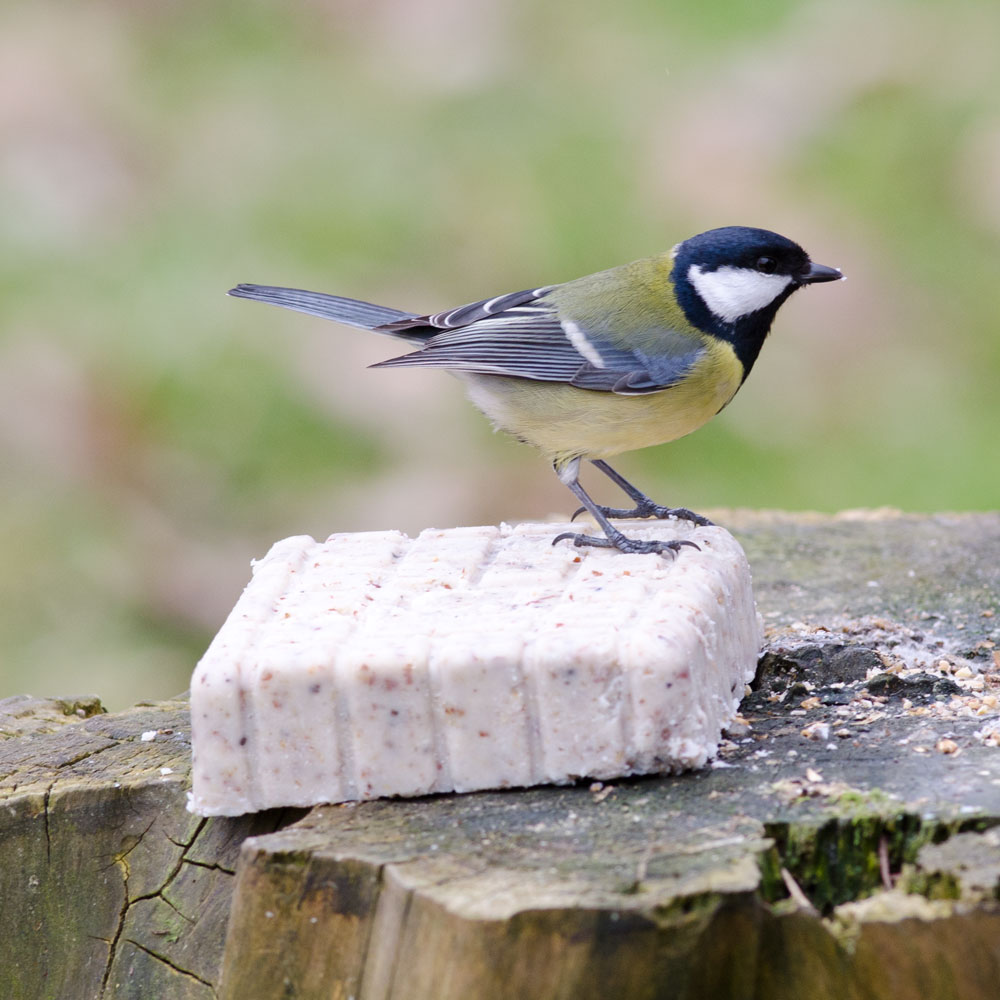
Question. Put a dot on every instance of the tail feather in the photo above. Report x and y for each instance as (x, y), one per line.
(350, 311)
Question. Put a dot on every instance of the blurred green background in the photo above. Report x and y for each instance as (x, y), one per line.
(156, 435)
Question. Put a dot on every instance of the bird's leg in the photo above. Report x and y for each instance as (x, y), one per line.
(568, 473)
(644, 507)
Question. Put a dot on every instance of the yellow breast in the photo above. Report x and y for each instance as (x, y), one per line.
(565, 422)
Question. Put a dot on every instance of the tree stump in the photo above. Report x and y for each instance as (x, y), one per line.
(846, 843)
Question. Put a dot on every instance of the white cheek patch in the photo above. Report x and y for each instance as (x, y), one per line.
(732, 292)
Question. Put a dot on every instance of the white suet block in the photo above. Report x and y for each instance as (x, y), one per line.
(374, 664)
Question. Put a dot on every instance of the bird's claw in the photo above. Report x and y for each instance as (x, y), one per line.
(650, 509)
(626, 544)
(682, 514)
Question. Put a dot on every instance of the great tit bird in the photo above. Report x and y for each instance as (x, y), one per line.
(622, 359)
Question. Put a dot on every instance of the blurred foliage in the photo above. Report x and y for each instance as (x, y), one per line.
(154, 435)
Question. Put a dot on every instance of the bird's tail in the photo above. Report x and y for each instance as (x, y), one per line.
(350, 311)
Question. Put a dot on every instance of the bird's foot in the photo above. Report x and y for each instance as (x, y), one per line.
(625, 544)
(647, 508)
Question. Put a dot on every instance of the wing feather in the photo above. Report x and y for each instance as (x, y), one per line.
(521, 336)
(351, 311)
(466, 315)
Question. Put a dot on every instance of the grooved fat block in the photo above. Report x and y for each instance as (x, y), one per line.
(374, 664)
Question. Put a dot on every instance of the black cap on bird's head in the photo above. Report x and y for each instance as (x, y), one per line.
(755, 250)
(731, 282)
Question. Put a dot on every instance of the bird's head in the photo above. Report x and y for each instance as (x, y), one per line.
(724, 276)
(730, 282)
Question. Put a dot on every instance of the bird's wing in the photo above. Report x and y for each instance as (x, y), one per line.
(450, 319)
(520, 335)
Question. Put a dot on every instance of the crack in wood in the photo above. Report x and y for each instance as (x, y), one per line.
(170, 965)
(215, 867)
(113, 949)
(85, 755)
(174, 872)
(45, 813)
(121, 861)
(173, 906)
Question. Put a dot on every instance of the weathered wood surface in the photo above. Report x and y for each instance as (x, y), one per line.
(870, 763)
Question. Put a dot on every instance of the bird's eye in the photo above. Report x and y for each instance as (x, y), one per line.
(767, 265)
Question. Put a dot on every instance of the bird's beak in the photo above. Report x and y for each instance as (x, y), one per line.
(819, 272)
